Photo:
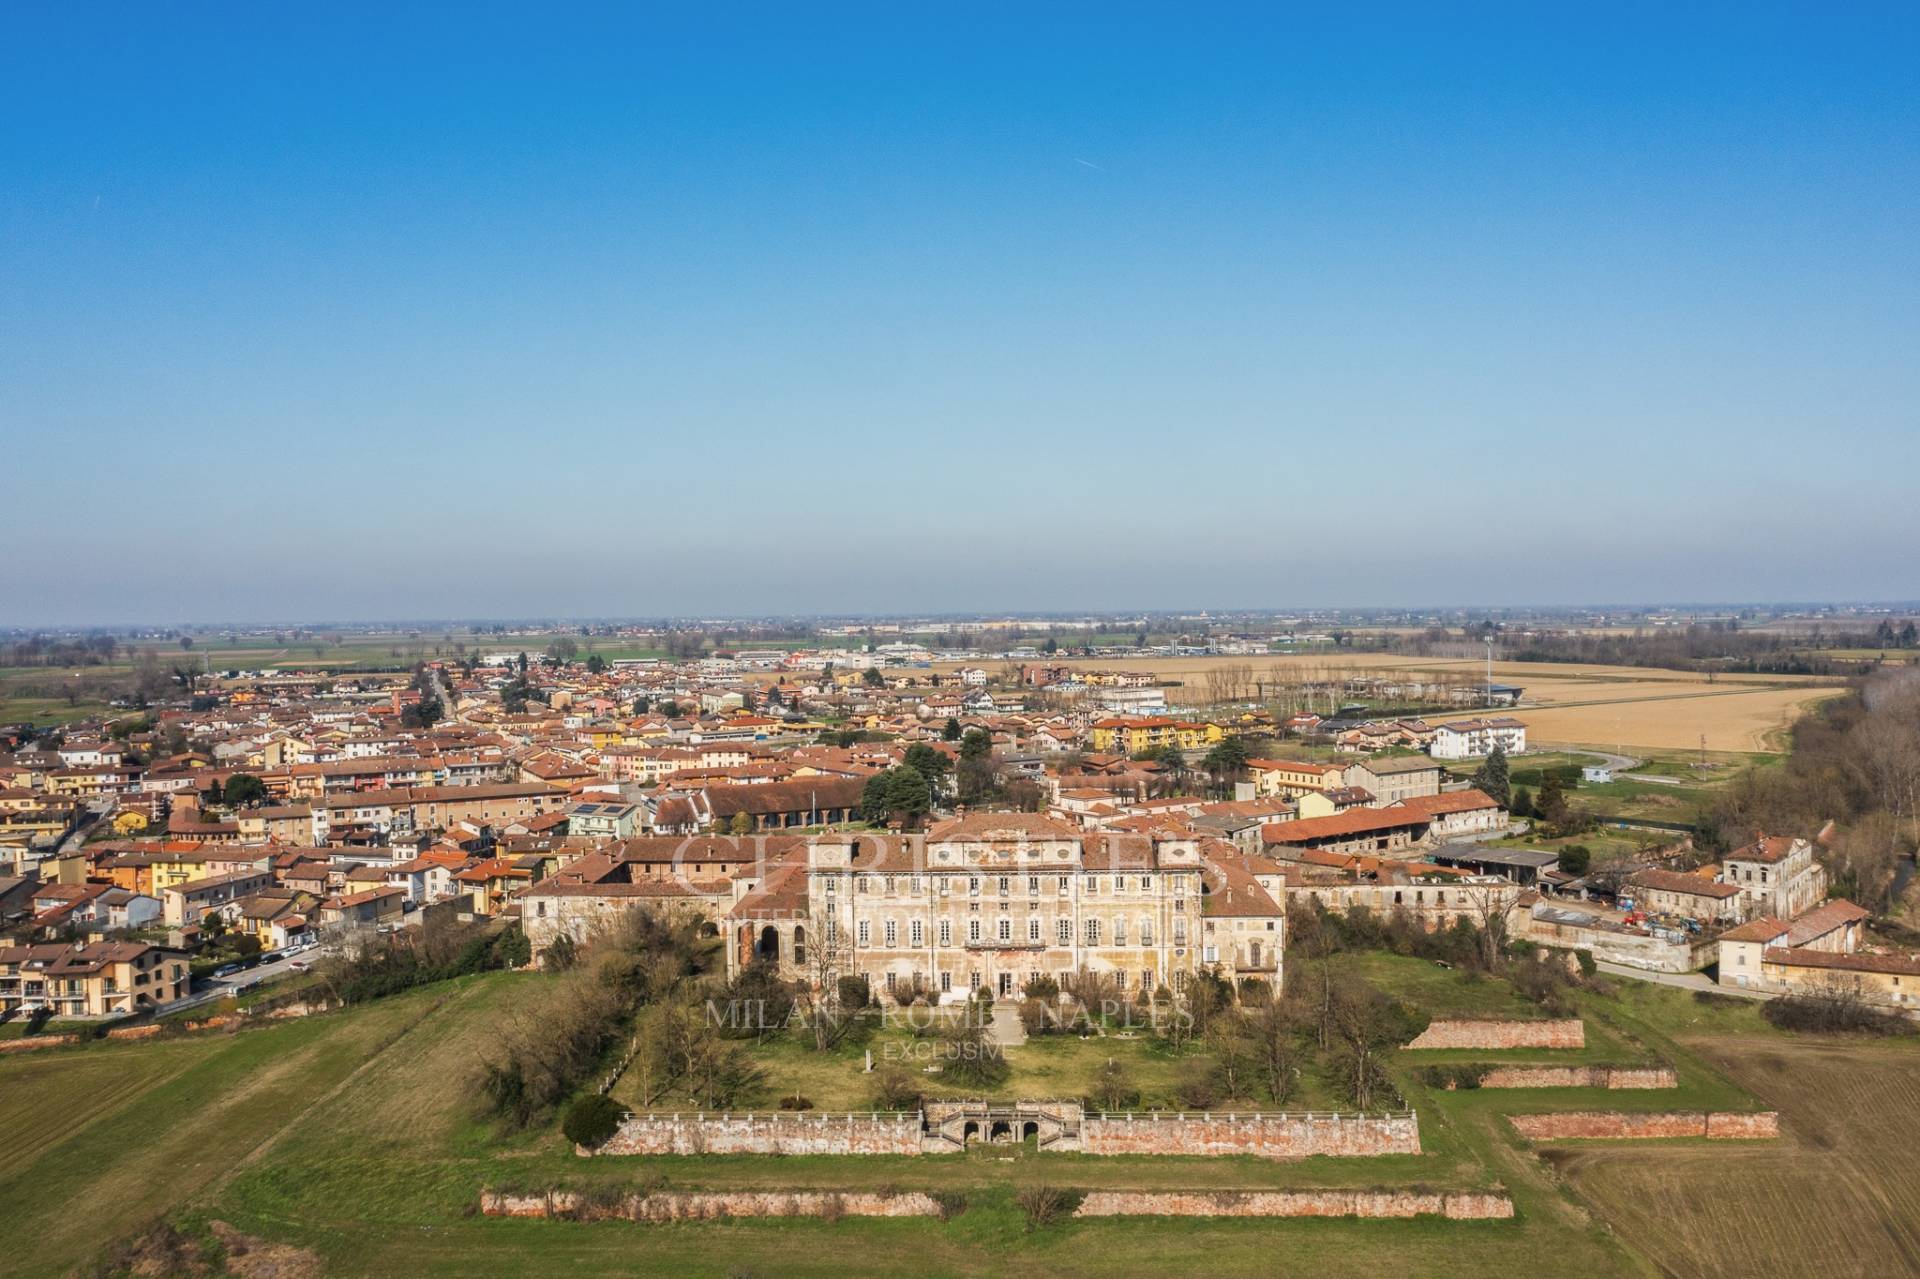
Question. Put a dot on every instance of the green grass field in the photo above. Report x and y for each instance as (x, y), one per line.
(354, 1136)
(1046, 1066)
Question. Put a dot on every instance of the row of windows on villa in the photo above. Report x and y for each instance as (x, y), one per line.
(1092, 931)
(1149, 980)
(915, 885)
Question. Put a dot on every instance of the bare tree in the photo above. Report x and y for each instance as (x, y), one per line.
(1491, 907)
(829, 957)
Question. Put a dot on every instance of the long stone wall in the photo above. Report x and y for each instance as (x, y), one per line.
(1566, 1032)
(1465, 1206)
(1619, 1077)
(767, 1134)
(701, 1205)
(1273, 1136)
(704, 1205)
(1722, 1125)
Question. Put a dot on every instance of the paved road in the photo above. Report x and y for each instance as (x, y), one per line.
(445, 694)
(97, 812)
(1683, 981)
(1618, 763)
(1622, 766)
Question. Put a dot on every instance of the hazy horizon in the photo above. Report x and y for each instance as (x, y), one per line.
(358, 313)
(1118, 613)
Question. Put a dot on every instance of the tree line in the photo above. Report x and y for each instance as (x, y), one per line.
(1855, 761)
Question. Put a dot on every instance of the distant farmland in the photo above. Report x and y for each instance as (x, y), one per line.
(1630, 707)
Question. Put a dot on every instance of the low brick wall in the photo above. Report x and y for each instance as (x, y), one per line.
(121, 1034)
(1566, 1032)
(147, 1031)
(783, 1133)
(1469, 1206)
(1580, 1077)
(36, 1041)
(1735, 1126)
(1646, 1124)
(701, 1205)
(1274, 1136)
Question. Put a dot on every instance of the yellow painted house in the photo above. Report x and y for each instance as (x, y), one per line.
(605, 735)
(1134, 734)
(1291, 779)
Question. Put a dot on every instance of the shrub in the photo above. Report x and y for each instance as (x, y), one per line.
(895, 1088)
(1113, 1088)
(1041, 987)
(1196, 1090)
(796, 1101)
(561, 954)
(1546, 984)
(1459, 1075)
(762, 1001)
(1044, 1204)
(971, 1058)
(950, 1202)
(592, 1119)
(1839, 1012)
(854, 992)
(1037, 1017)
(1588, 965)
(1717, 999)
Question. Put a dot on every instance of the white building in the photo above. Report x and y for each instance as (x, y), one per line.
(1472, 738)
(1131, 701)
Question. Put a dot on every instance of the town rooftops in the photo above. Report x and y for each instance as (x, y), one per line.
(1669, 881)
(1859, 961)
(1354, 821)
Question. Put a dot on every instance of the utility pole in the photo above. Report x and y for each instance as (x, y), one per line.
(1489, 640)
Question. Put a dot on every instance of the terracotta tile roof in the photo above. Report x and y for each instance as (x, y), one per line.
(1459, 801)
(1860, 961)
(1825, 918)
(1766, 930)
(1354, 821)
(1667, 881)
(1002, 826)
(1767, 849)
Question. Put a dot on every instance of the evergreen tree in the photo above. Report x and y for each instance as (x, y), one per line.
(1551, 805)
(1492, 779)
(951, 733)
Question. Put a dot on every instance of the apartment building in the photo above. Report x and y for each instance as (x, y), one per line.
(98, 979)
(1473, 738)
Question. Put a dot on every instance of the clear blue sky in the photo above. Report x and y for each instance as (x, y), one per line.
(313, 312)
